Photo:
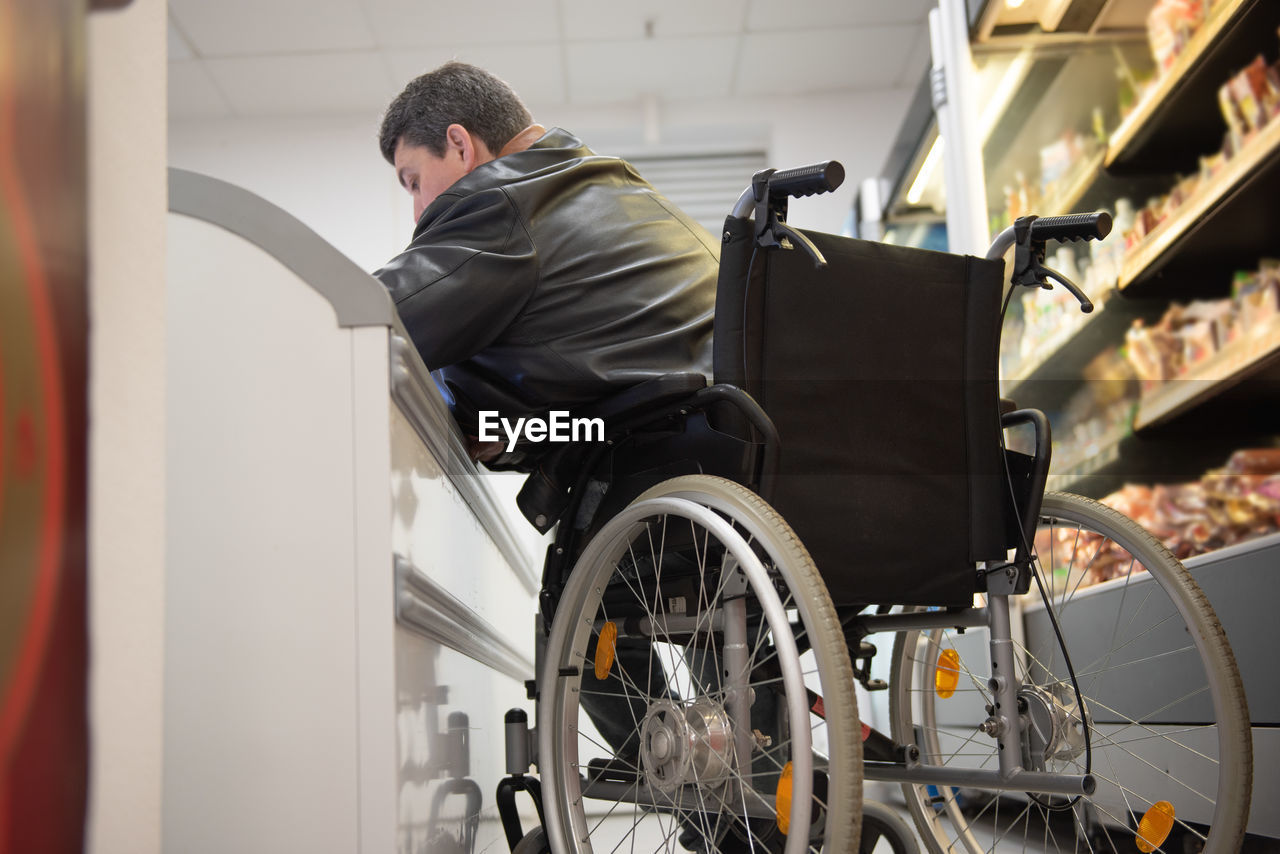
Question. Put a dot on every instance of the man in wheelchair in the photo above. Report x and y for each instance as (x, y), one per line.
(541, 276)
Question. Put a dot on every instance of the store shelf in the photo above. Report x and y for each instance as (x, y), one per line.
(1125, 457)
(1039, 380)
(1218, 374)
(1098, 459)
(1228, 221)
(1177, 120)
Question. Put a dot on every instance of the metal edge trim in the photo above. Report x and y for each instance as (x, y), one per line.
(425, 607)
(417, 396)
(358, 299)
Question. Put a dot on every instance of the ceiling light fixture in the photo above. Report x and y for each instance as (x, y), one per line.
(1014, 4)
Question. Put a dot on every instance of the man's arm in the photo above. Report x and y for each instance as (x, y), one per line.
(463, 279)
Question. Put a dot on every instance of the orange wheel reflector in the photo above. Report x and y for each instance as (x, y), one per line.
(1155, 826)
(947, 675)
(784, 799)
(606, 648)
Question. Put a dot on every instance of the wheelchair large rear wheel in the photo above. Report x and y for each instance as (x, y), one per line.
(1168, 729)
(721, 716)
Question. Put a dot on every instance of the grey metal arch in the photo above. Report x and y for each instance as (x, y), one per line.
(357, 298)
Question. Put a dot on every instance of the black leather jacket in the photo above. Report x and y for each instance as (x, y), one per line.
(551, 278)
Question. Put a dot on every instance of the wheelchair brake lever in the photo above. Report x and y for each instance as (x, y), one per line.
(784, 230)
(1086, 305)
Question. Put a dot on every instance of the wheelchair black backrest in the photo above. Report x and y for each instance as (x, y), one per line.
(879, 371)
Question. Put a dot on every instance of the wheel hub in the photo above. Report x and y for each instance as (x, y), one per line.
(1052, 725)
(684, 744)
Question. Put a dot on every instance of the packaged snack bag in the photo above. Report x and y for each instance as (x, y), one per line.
(1258, 298)
(1170, 25)
(1248, 89)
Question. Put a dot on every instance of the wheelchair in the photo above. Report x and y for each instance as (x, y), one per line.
(721, 559)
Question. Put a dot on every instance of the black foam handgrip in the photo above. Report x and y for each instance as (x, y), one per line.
(1088, 226)
(807, 180)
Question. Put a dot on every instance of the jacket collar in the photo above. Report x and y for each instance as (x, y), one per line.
(550, 152)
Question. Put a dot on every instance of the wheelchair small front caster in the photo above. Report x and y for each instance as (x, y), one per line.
(534, 842)
(879, 821)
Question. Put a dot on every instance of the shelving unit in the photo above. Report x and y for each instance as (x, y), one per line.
(1229, 220)
(1062, 356)
(1187, 426)
(1255, 356)
(1166, 130)
(1175, 432)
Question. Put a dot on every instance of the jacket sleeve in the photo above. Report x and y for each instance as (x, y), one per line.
(464, 278)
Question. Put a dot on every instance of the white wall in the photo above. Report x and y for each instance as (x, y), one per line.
(328, 172)
(127, 201)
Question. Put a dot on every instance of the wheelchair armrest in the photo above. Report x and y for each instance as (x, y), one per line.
(650, 394)
(545, 493)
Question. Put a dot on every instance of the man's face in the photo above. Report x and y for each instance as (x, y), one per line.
(426, 175)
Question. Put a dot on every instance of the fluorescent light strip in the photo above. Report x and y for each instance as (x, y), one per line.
(916, 193)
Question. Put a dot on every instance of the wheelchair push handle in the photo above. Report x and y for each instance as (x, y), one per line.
(771, 188)
(1028, 236)
(809, 180)
(767, 199)
(1073, 227)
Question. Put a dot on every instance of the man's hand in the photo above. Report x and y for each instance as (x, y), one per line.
(484, 452)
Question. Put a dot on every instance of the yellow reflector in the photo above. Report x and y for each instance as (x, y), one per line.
(606, 648)
(784, 799)
(1155, 826)
(947, 676)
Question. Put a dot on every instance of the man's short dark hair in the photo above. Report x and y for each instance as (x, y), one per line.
(455, 93)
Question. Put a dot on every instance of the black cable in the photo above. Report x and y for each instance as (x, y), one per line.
(746, 292)
(1032, 561)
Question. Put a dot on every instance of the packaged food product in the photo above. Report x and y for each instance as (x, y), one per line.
(1156, 355)
(1252, 94)
(1211, 165)
(1273, 80)
(1236, 125)
(1197, 343)
(1258, 297)
(1170, 25)
(1225, 506)
(1258, 461)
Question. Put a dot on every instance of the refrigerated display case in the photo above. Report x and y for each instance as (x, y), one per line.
(1098, 121)
(1173, 125)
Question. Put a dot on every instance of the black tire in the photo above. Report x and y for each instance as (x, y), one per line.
(1166, 707)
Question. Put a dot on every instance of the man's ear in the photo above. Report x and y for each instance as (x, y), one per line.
(469, 149)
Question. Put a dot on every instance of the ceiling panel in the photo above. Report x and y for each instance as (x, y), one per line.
(535, 71)
(592, 19)
(192, 93)
(771, 16)
(610, 72)
(409, 23)
(239, 27)
(817, 61)
(300, 84)
(326, 56)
